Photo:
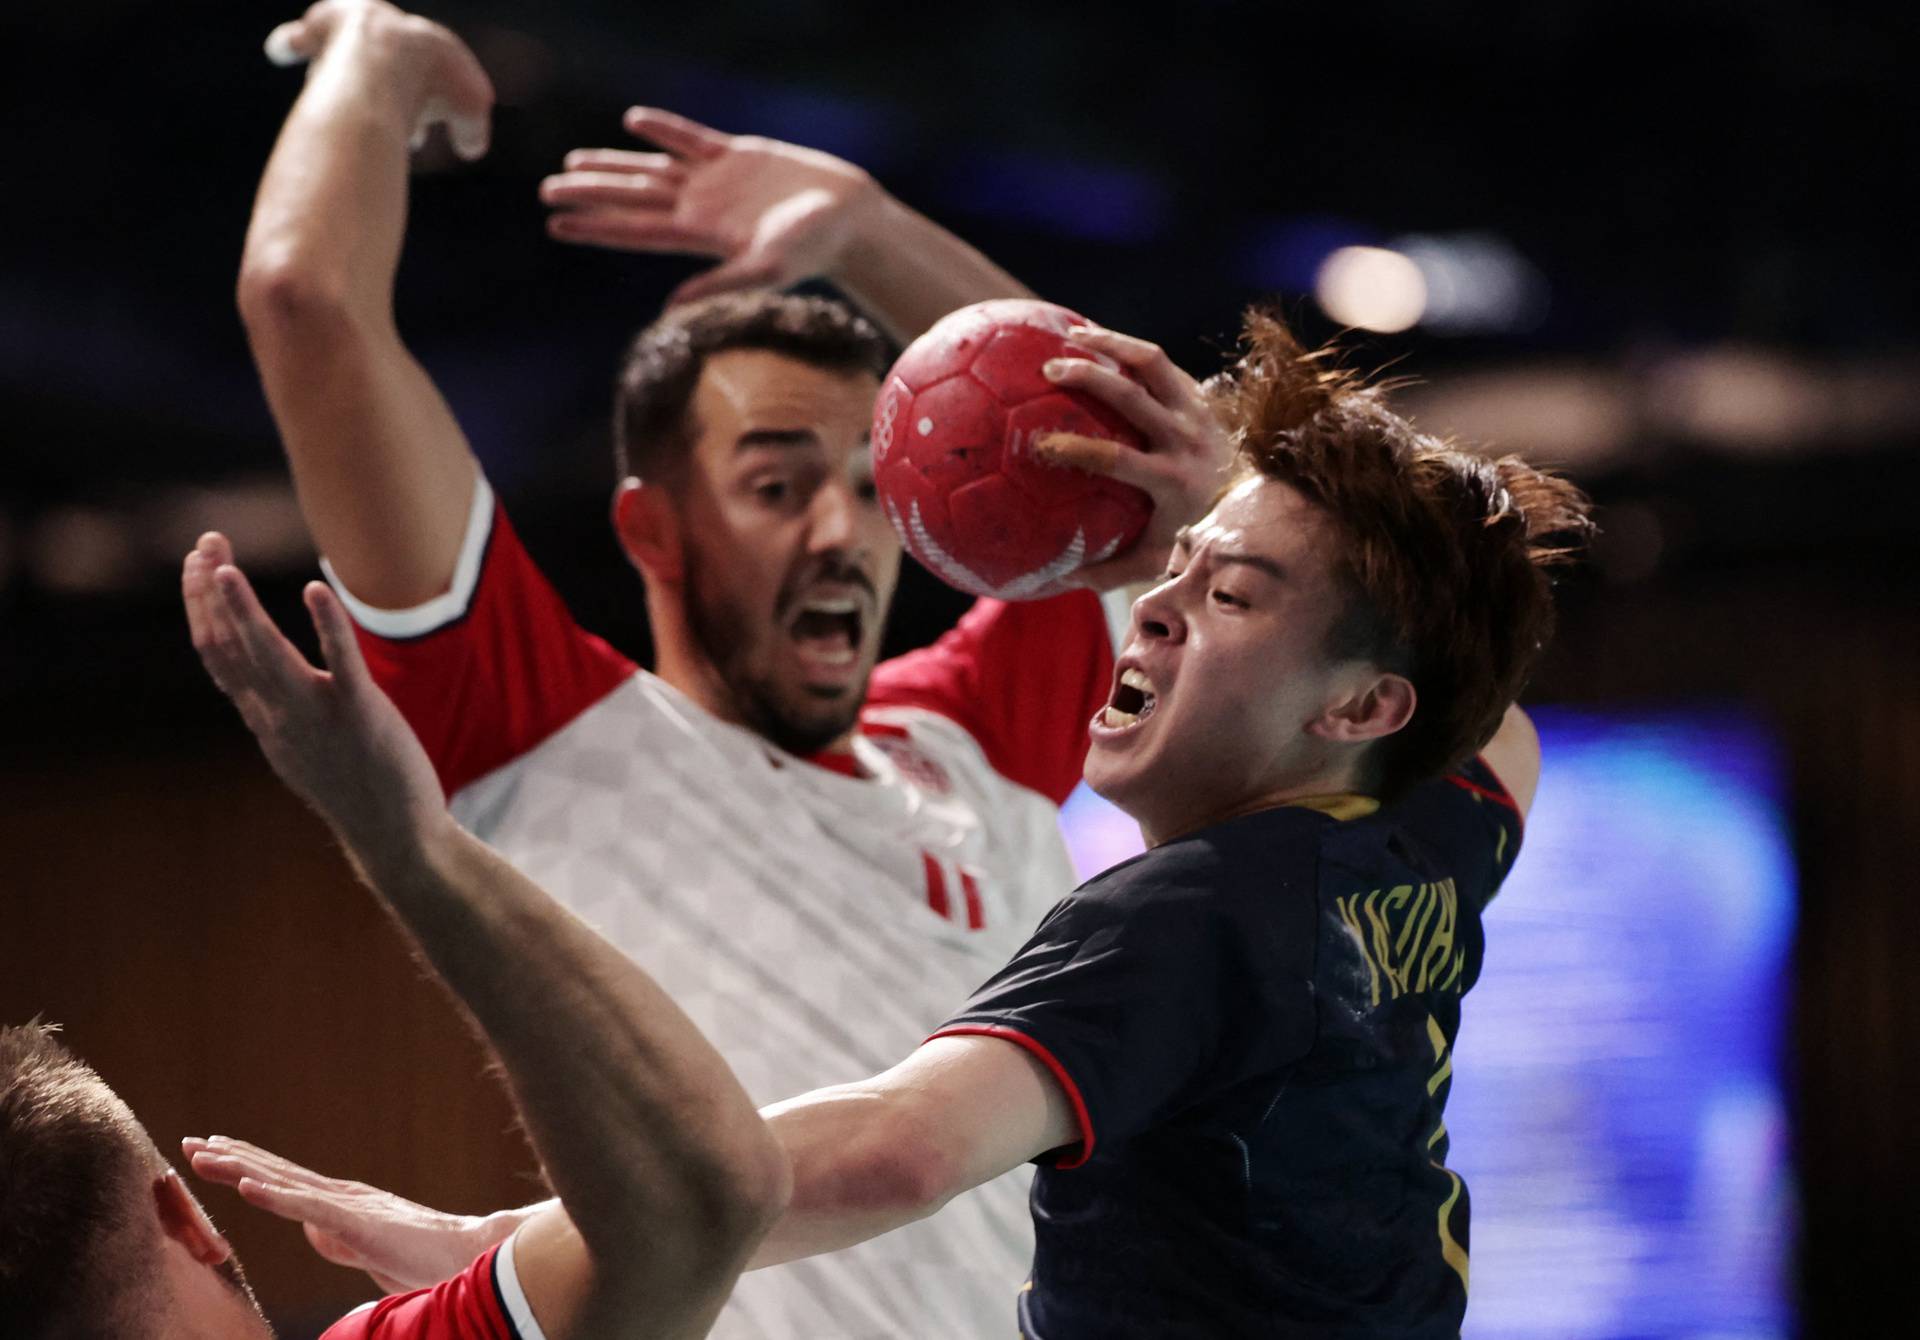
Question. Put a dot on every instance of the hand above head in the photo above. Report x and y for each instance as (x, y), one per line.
(331, 735)
(401, 1244)
(1187, 454)
(433, 73)
(770, 213)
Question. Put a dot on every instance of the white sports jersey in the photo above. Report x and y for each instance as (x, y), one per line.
(815, 925)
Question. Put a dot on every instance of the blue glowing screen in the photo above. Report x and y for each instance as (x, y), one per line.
(1617, 1110)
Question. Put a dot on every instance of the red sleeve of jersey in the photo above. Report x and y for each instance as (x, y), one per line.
(502, 675)
(1022, 677)
(467, 1307)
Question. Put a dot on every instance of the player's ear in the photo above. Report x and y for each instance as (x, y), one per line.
(182, 1219)
(648, 525)
(1375, 706)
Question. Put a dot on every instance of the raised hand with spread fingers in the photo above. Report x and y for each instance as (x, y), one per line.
(771, 214)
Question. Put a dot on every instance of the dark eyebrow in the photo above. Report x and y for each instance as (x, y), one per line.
(1257, 561)
(1183, 539)
(776, 437)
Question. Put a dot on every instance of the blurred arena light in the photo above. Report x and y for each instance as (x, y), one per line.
(82, 551)
(1570, 415)
(1371, 288)
(260, 516)
(1477, 283)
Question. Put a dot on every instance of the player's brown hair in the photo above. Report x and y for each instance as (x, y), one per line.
(651, 432)
(74, 1245)
(1444, 553)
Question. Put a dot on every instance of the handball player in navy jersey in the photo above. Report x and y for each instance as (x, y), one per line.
(1230, 1056)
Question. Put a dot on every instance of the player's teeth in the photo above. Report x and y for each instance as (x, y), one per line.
(840, 605)
(1133, 679)
(1116, 718)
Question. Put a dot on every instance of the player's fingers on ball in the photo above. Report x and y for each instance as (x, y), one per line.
(582, 189)
(675, 133)
(665, 166)
(1147, 360)
(1103, 456)
(1117, 390)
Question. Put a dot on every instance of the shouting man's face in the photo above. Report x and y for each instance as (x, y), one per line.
(790, 562)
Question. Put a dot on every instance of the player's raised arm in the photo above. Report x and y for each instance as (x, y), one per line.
(771, 214)
(383, 471)
(667, 1175)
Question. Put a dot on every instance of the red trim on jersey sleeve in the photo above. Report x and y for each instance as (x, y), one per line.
(503, 676)
(466, 1307)
(1022, 677)
(1500, 797)
(1046, 1058)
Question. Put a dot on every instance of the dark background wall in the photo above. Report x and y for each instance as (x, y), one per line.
(1698, 186)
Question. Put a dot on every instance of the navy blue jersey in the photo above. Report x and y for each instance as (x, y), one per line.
(1255, 1026)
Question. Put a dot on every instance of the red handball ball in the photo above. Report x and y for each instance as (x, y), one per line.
(953, 437)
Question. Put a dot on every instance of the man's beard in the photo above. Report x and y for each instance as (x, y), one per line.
(715, 623)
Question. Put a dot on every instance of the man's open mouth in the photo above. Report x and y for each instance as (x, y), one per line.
(1133, 701)
(828, 629)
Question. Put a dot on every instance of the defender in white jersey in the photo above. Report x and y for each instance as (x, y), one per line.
(815, 856)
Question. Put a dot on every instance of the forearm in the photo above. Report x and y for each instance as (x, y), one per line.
(383, 472)
(644, 1132)
(907, 272)
(331, 211)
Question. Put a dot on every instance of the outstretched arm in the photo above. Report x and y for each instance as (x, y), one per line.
(771, 214)
(383, 471)
(667, 1175)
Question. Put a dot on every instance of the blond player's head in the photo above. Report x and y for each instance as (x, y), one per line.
(99, 1238)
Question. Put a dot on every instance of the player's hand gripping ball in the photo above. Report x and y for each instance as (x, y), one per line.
(953, 455)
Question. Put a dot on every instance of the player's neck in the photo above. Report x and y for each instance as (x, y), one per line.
(684, 668)
(1335, 792)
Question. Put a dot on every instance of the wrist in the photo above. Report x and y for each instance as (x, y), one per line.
(874, 221)
(369, 48)
(403, 845)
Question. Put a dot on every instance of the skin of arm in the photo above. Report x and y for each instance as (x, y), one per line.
(871, 1156)
(384, 474)
(771, 214)
(666, 1174)
(1514, 756)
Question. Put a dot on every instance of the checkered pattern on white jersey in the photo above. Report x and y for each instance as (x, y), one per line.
(815, 926)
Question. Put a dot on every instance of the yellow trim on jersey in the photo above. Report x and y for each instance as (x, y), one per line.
(1340, 805)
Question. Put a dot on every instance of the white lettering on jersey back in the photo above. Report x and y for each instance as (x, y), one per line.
(789, 910)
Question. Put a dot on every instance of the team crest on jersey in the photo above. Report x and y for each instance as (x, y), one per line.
(924, 772)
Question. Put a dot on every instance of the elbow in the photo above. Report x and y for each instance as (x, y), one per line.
(285, 302)
(897, 1169)
(733, 1194)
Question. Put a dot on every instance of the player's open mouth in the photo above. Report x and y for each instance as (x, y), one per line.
(1133, 701)
(828, 630)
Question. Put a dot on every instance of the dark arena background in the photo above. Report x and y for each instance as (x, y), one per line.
(1657, 246)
